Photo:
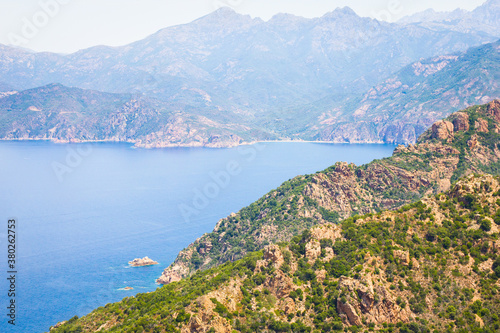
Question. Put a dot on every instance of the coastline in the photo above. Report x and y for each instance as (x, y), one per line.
(138, 145)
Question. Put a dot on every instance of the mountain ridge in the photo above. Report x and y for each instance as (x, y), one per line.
(252, 79)
(401, 108)
(484, 18)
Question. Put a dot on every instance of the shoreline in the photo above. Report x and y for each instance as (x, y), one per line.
(134, 145)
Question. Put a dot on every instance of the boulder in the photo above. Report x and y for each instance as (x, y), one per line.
(472, 143)
(403, 256)
(348, 313)
(288, 304)
(364, 302)
(137, 262)
(313, 250)
(442, 130)
(461, 122)
(494, 109)
(481, 125)
(273, 253)
(279, 284)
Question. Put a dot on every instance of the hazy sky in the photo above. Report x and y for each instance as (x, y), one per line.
(70, 25)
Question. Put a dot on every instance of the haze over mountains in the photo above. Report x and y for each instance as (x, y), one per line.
(484, 18)
(226, 78)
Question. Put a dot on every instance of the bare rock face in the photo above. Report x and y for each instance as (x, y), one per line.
(313, 250)
(494, 109)
(361, 301)
(472, 143)
(481, 125)
(169, 276)
(324, 231)
(142, 262)
(58, 325)
(203, 314)
(403, 256)
(461, 122)
(173, 273)
(273, 253)
(321, 275)
(415, 264)
(205, 247)
(469, 185)
(329, 254)
(279, 284)
(442, 130)
(327, 230)
(206, 319)
(348, 313)
(288, 304)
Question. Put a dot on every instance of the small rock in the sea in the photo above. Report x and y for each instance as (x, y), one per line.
(128, 288)
(142, 262)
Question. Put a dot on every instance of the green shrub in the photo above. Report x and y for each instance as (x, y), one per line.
(485, 225)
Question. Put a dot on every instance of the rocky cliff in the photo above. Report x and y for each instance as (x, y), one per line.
(464, 143)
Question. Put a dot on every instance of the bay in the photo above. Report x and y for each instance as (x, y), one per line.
(84, 210)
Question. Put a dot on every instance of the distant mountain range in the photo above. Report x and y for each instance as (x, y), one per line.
(485, 18)
(226, 78)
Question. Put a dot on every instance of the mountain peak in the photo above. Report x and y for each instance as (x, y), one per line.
(340, 13)
(225, 14)
(286, 20)
(492, 3)
(489, 5)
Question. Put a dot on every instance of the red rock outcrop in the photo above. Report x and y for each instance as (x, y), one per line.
(442, 130)
(137, 262)
(481, 125)
(364, 302)
(461, 122)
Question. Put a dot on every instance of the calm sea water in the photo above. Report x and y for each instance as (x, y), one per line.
(83, 211)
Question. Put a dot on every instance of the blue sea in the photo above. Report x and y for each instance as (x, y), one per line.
(83, 211)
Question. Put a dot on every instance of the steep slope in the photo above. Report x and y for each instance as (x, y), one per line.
(401, 108)
(430, 266)
(63, 114)
(466, 142)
